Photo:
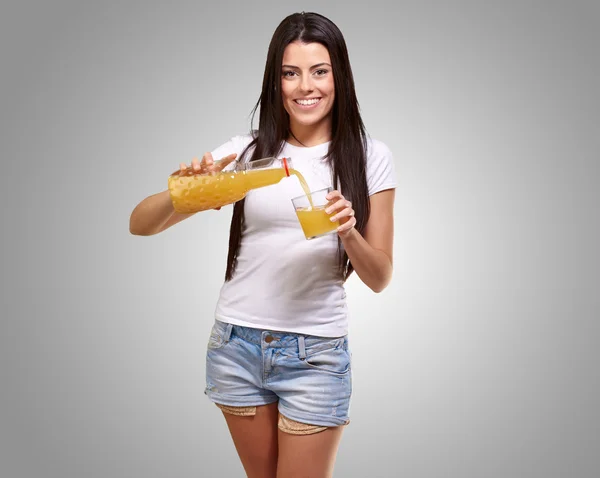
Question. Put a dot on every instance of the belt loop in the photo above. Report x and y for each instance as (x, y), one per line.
(301, 349)
(227, 333)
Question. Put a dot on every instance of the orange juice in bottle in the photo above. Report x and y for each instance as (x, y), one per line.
(193, 192)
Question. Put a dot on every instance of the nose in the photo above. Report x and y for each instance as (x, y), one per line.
(306, 84)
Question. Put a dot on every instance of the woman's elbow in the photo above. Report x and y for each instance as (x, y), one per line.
(378, 287)
(381, 284)
(138, 232)
(137, 228)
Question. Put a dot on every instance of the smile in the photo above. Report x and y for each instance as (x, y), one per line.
(306, 104)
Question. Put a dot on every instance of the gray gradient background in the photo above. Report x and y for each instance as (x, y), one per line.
(479, 360)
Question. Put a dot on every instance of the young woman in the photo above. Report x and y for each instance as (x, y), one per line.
(278, 362)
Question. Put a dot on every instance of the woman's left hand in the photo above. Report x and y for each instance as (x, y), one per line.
(342, 211)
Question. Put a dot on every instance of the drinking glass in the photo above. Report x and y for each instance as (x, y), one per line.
(310, 209)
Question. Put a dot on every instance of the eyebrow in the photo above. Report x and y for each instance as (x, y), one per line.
(312, 67)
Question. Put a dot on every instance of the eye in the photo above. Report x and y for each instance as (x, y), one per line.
(288, 74)
(321, 72)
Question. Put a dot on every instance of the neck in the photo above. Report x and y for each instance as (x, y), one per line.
(309, 136)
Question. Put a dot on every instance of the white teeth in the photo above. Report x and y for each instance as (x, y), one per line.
(307, 102)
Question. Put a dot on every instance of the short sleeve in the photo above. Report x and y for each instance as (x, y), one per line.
(381, 171)
(236, 145)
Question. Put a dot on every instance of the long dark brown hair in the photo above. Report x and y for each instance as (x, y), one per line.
(347, 150)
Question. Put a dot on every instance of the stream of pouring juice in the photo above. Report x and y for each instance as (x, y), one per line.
(200, 192)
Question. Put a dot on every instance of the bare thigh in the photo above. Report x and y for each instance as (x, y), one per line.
(256, 440)
(308, 456)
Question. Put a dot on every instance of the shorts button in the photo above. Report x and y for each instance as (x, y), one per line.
(269, 339)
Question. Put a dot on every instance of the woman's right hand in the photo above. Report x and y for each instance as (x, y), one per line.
(207, 165)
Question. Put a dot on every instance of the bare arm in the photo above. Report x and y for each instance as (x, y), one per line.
(371, 255)
(156, 213)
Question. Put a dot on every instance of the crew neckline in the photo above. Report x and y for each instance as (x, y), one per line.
(305, 148)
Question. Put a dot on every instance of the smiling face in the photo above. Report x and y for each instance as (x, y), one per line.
(307, 88)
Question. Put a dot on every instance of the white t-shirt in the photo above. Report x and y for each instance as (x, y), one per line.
(282, 281)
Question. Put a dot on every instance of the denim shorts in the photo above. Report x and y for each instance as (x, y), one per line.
(309, 376)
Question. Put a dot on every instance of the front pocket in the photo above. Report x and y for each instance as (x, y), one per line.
(216, 338)
(336, 361)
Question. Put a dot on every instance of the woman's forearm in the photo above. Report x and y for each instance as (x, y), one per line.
(373, 266)
(153, 215)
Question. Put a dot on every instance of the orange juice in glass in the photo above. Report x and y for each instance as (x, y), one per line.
(310, 209)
